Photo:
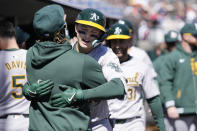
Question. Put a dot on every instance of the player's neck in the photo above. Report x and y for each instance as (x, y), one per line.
(124, 59)
(83, 50)
(9, 44)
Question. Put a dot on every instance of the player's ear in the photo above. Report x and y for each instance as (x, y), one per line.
(76, 29)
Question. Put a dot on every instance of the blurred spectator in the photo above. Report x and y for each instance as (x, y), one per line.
(178, 82)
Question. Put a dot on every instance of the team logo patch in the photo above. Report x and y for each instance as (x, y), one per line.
(117, 31)
(121, 22)
(181, 60)
(173, 34)
(114, 66)
(94, 17)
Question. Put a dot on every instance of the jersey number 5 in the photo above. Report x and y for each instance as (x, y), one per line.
(16, 85)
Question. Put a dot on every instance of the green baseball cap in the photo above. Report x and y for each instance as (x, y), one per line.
(118, 31)
(126, 22)
(189, 29)
(171, 36)
(21, 36)
(49, 19)
(92, 17)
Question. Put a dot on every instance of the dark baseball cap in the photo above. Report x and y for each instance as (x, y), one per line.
(21, 35)
(49, 19)
(189, 28)
(171, 36)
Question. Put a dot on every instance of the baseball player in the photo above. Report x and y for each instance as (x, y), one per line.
(67, 109)
(14, 108)
(128, 113)
(133, 50)
(90, 27)
(178, 85)
(171, 39)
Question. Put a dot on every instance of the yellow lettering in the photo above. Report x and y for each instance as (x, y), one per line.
(8, 66)
(24, 67)
(133, 81)
(21, 64)
(18, 64)
(13, 64)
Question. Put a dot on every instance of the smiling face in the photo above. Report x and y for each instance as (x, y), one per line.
(86, 35)
(120, 48)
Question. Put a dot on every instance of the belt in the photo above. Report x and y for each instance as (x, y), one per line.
(6, 116)
(121, 121)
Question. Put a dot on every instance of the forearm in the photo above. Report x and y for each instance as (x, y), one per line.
(112, 89)
(157, 111)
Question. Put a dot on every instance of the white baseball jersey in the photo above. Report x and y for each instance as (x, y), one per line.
(139, 81)
(12, 79)
(140, 54)
(111, 69)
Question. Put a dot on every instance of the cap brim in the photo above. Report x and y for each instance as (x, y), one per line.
(118, 37)
(90, 23)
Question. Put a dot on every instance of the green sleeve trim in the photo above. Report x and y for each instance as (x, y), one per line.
(112, 89)
(157, 112)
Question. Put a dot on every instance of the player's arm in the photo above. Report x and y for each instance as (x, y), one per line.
(152, 95)
(98, 88)
(157, 111)
(167, 76)
(37, 91)
(112, 89)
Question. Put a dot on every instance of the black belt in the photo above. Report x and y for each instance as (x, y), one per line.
(6, 116)
(121, 121)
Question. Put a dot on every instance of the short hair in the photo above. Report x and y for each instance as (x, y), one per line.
(7, 29)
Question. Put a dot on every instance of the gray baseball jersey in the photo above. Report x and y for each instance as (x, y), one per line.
(139, 81)
(111, 69)
(12, 79)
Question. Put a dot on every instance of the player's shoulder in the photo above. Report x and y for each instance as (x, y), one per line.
(138, 50)
(110, 52)
(137, 62)
(22, 50)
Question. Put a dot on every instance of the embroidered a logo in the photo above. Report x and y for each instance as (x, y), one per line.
(94, 17)
(114, 66)
(117, 31)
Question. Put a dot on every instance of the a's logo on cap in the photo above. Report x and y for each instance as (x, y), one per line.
(94, 16)
(117, 31)
(173, 34)
(195, 26)
(121, 22)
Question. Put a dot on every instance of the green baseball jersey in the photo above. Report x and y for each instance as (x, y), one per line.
(59, 63)
(179, 77)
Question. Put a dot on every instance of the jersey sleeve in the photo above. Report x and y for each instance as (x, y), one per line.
(92, 73)
(149, 84)
(111, 67)
(99, 89)
(167, 74)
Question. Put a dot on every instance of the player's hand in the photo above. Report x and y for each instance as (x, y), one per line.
(38, 90)
(172, 112)
(67, 97)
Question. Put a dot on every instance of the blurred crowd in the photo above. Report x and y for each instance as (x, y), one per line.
(152, 19)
